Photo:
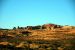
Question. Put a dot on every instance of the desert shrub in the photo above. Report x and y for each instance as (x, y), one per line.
(69, 48)
(6, 47)
(49, 48)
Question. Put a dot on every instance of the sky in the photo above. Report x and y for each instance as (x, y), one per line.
(23, 13)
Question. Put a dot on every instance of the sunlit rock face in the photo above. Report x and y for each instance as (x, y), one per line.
(50, 26)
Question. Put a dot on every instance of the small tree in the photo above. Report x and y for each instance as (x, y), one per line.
(18, 27)
(14, 28)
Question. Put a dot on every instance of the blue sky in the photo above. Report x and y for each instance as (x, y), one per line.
(15, 13)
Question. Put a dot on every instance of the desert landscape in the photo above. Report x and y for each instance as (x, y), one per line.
(40, 37)
(37, 25)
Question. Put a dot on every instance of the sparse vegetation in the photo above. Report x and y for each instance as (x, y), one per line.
(37, 39)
